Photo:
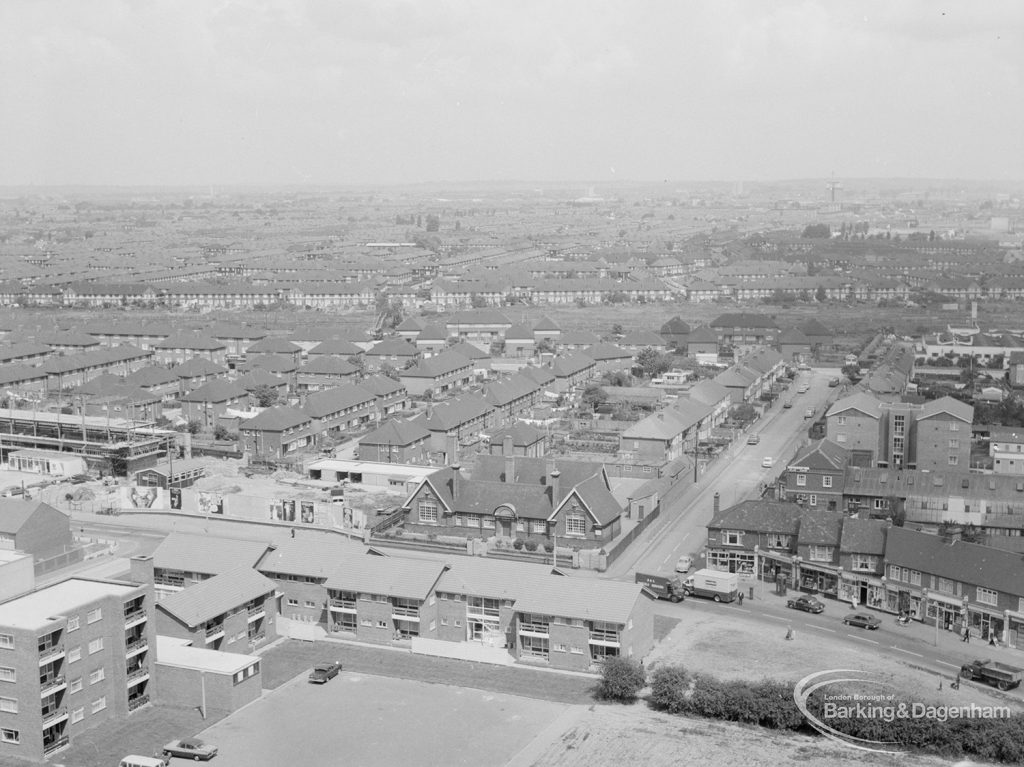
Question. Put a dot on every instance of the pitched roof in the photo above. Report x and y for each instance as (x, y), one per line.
(198, 366)
(312, 557)
(435, 332)
(708, 392)
(469, 351)
(339, 347)
(458, 410)
(563, 367)
(258, 377)
(546, 323)
(519, 333)
(819, 527)
(14, 513)
(276, 419)
(605, 351)
(863, 536)
(676, 326)
(271, 345)
(642, 338)
(329, 401)
(479, 317)
(861, 402)
(207, 554)
(217, 390)
(326, 364)
(522, 434)
(442, 364)
(394, 576)
(152, 375)
(187, 340)
(587, 599)
(703, 335)
(969, 563)
(760, 515)
(948, 405)
(823, 454)
(743, 320)
(274, 363)
(536, 471)
(216, 596)
(381, 385)
(396, 432)
(398, 347)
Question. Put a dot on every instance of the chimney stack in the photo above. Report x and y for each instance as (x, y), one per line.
(507, 446)
(717, 503)
(510, 466)
(555, 498)
(456, 475)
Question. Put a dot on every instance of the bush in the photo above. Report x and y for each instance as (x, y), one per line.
(549, 546)
(669, 687)
(621, 679)
(530, 545)
(517, 544)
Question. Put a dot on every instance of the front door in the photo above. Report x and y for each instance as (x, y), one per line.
(506, 527)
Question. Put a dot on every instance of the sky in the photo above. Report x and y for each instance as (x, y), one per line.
(334, 92)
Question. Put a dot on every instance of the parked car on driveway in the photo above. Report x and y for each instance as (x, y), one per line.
(807, 604)
(862, 620)
(324, 672)
(190, 748)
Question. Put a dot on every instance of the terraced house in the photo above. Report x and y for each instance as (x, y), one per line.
(440, 374)
(276, 432)
(334, 411)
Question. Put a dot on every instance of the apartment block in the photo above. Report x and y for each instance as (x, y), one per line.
(73, 656)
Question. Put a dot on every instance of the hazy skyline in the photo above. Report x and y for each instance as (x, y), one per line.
(191, 92)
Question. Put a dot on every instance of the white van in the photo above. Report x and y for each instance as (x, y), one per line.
(133, 760)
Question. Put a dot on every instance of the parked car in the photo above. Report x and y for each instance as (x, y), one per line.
(802, 389)
(324, 672)
(190, 748)
(767, 461)
(862, 620)
(807, 604)
(753, 439)
(788, 403)
(833, 383)
(685, 564)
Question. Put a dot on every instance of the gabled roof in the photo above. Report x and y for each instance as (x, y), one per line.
(198, 366)
(469, 351)
(396, 432)
(271, 345)
(409, 324)
(433, 333)
(823, 454)
(536, 471)
(596, 499)
(676, 326)
(215, 596)
(819, 528)
(522, 434)
(398, 347)
(153, 375)
(330, 401)
(563, 367)
(543, 376)
(442, 364)
(969, 563)
(325, 364)
(642, 338)
(586, 599)
(948, 405)
(863, 536)
(736, 376)
(392, 576)
(381, 385)
(14, 513)
(759, 515)
(276, 419)
(207, 554)
(605, 351)
(311, 557)
(217, 390)
(545, 323)
(458, 410)
(860, 402)
(338, 347)
(703, 335)
(813, 327)
(669, 423)
(708, 392)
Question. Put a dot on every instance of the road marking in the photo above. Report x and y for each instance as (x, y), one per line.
(951, 665)
(820, 628)
(908, 652)
(862, 639)
(777, 618)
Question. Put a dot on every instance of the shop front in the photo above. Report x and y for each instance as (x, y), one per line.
(775, 568)
(818, 579)
(863, 590)
(1014, 629)
(986, 622)
(948, 611)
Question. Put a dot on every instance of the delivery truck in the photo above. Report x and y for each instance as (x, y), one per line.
(664, 586)
(712, 584)
(992, 672)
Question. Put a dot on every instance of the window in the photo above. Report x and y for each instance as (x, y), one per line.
(539, 528)
(77, 715)
(558, 648)
(99, 704)
(366, 622)
(575, 524)
(915, 577)
(576, 650)
(880, 503)
(812, 499)
(382, 624)
(94, 615)
(8, 674)
(826, 481)
(732, 538)
(820, 553)
(988, 596)
(946, 586)
(309, 603)
(841, 420)
(428, 511)
(293, 602)
(97, 676)
(488, 523)
(76, 684)
(96, 645)
(953, 460)
(444, 621)
(433, 625)
(74, 654)
(520, 526)
(954, 444)
(777, 541)
(954, 427)
(10, 736)
(472, 520)
(801, 480)
(841, 438)
(7, 641)
(863, 562)
(9, 705)
(73, 622)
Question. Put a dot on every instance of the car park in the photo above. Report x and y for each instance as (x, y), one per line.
(807, 604)
(862, 620)
(190, 748)
(324, 672)
(767, 461)
(684, 564)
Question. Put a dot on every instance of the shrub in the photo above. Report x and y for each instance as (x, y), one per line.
(669, 687)
(621, 679)
(517, 544)
(549, 546)
(530, 545)
(399, 532)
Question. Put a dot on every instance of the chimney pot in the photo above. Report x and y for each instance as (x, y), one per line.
(717, 502)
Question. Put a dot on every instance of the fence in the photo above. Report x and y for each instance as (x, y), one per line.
(623, 543)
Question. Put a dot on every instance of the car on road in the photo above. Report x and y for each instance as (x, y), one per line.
(685, 564)
(190, 748)
(324, 672)
(862, 620)
(767, 461)
(802, 389)
(809, 413)
(788, 404)
(807, 604)
(833, 383)
(753, 439)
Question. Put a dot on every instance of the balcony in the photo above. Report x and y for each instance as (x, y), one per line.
(405, 613)
(50, 654)
(257, 612)
(135, 646)
(54, 745)
(604, 637)
(56, 716)
(137, 675)
(255, 640)
(534, 629)
(137, 702)
(213, 633)
(343, 604)
(134, 618)
(51, 685)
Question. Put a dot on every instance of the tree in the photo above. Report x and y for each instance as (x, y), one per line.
(222, 434)
(621, 679)
(389, 371)
(545, 346)
(477, 301)
(651, 362)
(820, 295)
(617, 330)
(266, 395)
(194, 426)
(593, 396)
(817, 231)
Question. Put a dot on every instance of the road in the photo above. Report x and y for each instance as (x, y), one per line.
(735, 476)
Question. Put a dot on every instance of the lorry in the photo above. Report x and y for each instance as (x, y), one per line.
(713, 584)
(992, 672)
(663, 586)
